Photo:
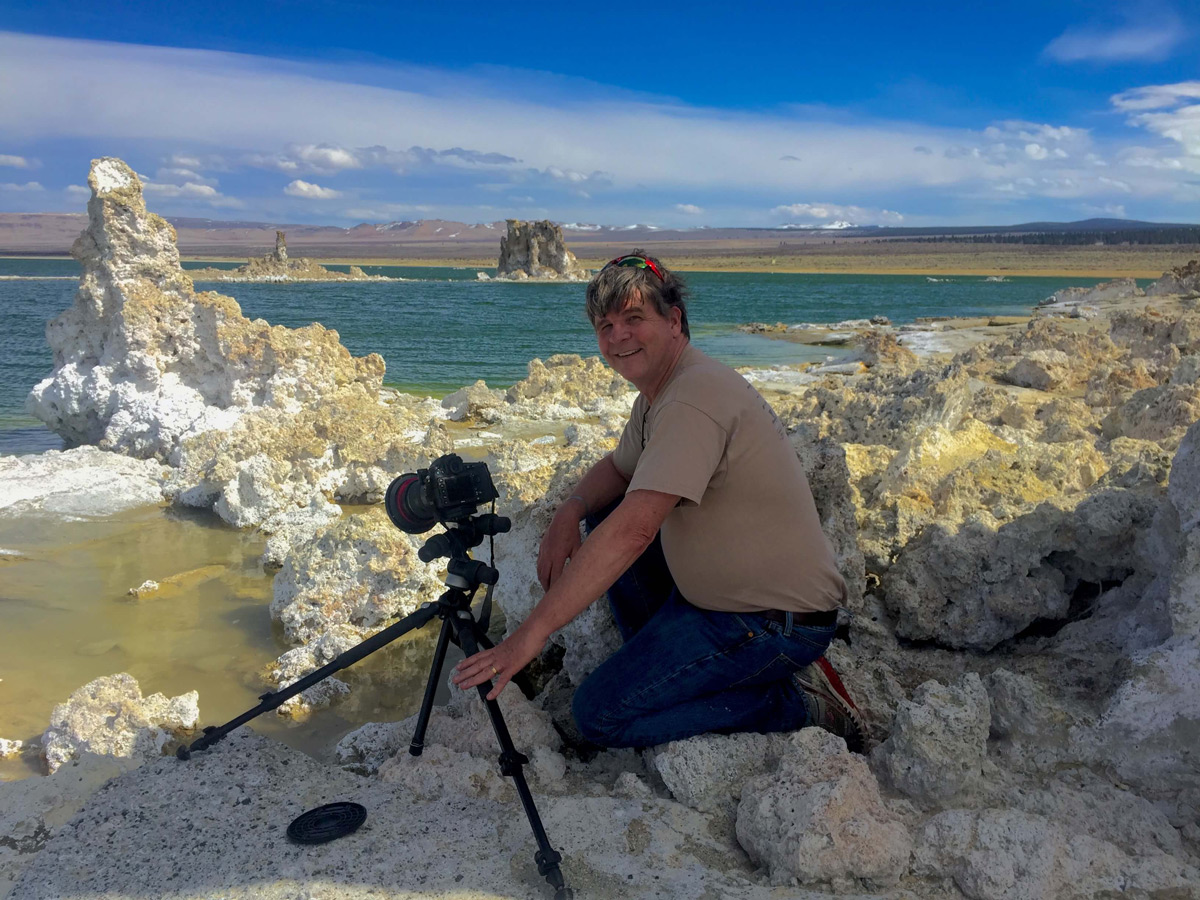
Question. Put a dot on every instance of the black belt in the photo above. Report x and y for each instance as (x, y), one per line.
(826, 617)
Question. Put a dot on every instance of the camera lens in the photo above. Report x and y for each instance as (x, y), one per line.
(407, 507)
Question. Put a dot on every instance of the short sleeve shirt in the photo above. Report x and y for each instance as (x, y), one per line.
(745, 535)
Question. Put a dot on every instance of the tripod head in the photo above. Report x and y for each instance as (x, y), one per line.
(465, 573)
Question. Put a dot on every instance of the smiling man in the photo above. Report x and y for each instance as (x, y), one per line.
(703, 531)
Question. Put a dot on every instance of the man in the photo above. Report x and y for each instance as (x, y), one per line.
(728, 633)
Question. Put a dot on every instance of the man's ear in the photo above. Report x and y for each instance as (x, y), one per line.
(676, 319)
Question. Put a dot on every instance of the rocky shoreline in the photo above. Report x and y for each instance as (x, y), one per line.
(1014, 507)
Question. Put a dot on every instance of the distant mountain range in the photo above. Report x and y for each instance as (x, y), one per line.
(53, 233)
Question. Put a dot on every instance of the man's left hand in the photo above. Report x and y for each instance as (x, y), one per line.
(501, 663)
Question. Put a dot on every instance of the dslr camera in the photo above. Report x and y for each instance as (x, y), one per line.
(449, 491)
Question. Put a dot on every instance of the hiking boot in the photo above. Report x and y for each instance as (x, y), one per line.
(829, 704)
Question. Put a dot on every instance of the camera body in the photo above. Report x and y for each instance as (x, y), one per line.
(450, 490)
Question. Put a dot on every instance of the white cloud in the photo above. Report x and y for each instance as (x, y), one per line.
(204, 193)
(310, 191)
(79, 190)
(1036, 151)
(28, 186)
(1166, 110)
(1145, 42)
(595, 155)
(16, 162)
(690, 209)
(831, 212)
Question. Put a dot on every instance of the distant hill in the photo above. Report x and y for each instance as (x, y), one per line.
(53, 233)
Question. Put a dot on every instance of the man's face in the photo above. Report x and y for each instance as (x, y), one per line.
(638, 343)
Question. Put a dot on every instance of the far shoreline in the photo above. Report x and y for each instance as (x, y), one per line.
(721, 264)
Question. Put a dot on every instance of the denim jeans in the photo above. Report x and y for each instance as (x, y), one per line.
(684, 671)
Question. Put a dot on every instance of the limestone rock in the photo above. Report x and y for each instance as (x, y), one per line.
(301, 661)
(80, 482)
(879, 349)
(474, 402)
(1021, 710)
(568, 386)
(1160, 414)
(1042, 370)
(141, 360)
(707, 772)
(998, 854)
(276, 266)
(109, 716)
(360, 571)
(253, 419)
(1077, 297)
(1181, 281)
(9, 749)
(32, 810)
(978, 585)
(820, 818)
(828, 474)
(937, 742)
(537, 250)
(463, 726)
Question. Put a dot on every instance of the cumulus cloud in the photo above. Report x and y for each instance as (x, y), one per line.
(1168, 110)
(1147, 42)
(690, 209)
(310, 191)
(834, 212)
(27, 186)
(204, 193)
(79, 190)
(16, 162)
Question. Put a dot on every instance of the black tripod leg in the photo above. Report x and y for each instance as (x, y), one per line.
(511, 765)
(435, 674)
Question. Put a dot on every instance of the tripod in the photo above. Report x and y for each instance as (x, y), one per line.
(463, 578)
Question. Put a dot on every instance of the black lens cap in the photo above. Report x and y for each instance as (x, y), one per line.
(326, 823)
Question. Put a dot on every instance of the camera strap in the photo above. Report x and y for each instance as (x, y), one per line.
(485, 610)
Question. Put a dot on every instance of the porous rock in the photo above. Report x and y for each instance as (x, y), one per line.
(569, 386)
(360, 571)
(819, 819)
(998, 854)
(462, 726)
(276, 266)
(1181, 281)
(938, 741)
(301, 661)
(109, 716)
(475, 402)
(977, 585)
(254, 419)
(537, 250)
(141, 359)
(707, 772)
(33, 809)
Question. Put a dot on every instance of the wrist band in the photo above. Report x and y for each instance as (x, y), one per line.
(586, 511)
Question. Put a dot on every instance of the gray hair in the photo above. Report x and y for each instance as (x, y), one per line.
(614, 286)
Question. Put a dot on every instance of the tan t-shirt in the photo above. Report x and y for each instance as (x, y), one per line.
(746, 535)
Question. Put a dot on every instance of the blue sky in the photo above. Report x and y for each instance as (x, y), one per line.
(755, 114)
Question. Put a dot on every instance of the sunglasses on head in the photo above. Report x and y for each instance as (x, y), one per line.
(637, 262)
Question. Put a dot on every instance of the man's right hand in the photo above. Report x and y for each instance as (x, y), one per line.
(559, 544)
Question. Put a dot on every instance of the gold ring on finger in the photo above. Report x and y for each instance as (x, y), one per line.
(495, 671)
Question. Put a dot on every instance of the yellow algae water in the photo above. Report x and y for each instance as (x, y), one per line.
(66, 617)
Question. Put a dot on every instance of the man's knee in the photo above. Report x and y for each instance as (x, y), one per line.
(593, 717)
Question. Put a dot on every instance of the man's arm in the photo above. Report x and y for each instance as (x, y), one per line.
(608, 551)
(601, 485)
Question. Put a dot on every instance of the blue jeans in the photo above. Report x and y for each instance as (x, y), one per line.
(684, 671)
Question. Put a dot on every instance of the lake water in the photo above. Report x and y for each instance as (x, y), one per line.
(443, 328)
(65, 616)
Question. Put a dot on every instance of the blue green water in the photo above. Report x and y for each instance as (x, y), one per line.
(444, 329)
